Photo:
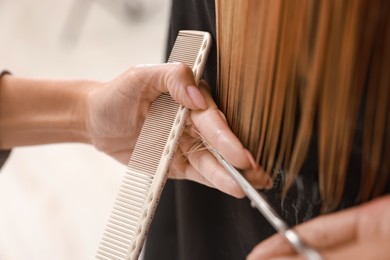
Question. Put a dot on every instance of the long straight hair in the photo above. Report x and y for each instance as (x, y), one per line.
(291, 71)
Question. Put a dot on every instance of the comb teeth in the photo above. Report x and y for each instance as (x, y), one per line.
(148, 167)
(183, 49)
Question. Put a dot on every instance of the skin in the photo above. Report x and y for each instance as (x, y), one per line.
(362, 232)
(109, 115)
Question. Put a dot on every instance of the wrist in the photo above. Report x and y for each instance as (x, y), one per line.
(76, 124)
(36, 112)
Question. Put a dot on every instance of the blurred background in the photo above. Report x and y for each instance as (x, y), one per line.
(55, 199)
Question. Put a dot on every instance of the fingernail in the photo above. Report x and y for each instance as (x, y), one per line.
(251, 160)
(222, 115)
(237, 190)
(270, 183)
(254, 175)
(196, 97)
(266, 180)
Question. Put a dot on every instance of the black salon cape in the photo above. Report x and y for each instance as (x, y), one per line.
(196, 222)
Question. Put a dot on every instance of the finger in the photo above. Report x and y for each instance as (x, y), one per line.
(367, 249)
(289, 258)
(212, 126)
(216, 131)
(182, 169)
(276, 246)
(188, 172)
(178, 80)
(374, 219)
(255, 175)
(205, 164)
(296, 257)
(318, 233)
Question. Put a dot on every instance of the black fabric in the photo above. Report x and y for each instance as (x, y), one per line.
(5, 153)
(196, 222)
(3, 157)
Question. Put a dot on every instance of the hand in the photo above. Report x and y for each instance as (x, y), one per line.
(118, 108)
(362, 232)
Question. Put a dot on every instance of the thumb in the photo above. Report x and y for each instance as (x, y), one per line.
(178, 80)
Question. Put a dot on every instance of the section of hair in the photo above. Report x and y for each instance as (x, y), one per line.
(291, 71)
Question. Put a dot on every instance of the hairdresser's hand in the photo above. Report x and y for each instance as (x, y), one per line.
(117, 111)
(362, 232)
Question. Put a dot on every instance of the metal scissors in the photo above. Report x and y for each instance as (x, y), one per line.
(258, 201)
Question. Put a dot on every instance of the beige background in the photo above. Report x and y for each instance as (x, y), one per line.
(55, 199)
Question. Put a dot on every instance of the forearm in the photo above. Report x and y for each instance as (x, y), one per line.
(41, 111)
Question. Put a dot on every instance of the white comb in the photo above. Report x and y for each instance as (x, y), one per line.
(147, 173)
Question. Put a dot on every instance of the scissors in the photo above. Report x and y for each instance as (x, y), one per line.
(258, 201)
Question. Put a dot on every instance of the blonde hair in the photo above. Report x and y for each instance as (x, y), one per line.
(291, 70)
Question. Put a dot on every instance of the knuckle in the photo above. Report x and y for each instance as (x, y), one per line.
(207, 114)
(139, 79)
(174, 91)
(177, 80)
(183, 69)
